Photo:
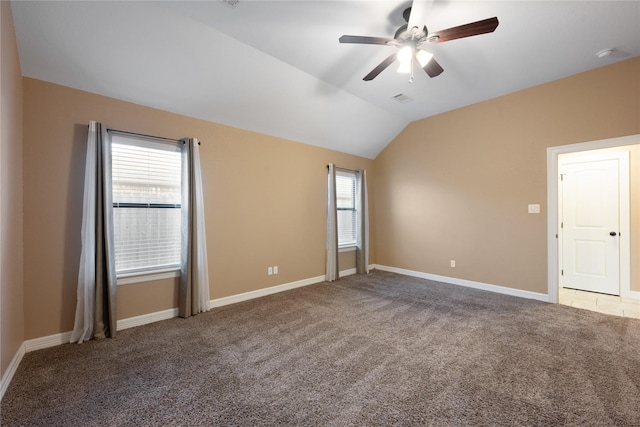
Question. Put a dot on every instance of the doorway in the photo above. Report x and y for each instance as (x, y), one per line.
(554, 214)
(593, 197)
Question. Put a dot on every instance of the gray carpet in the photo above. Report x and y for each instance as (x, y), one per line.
(382, 349)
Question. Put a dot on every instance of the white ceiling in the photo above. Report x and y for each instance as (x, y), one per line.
(276, 67)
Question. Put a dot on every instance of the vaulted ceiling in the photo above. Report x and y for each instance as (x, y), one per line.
(276, 67)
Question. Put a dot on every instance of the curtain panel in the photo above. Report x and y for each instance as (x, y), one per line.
(193, 296)
(332, 272)
(362, 217)
(96, 297)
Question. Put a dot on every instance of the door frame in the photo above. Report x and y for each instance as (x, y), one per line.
(552, 215)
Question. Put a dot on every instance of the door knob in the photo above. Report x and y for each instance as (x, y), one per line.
(613, 233)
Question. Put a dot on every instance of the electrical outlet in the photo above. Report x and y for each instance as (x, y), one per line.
(453, 263)
(275, 269)
(269, 271)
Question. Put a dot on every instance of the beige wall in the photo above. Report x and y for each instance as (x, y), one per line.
(457, 185)
(11, 292)
(264, 197)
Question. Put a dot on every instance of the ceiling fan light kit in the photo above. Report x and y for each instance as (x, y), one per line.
(405, 67)
(405, 55)
(410, 42)
(423, 57)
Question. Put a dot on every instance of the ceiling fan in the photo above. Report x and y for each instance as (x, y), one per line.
(412, 37)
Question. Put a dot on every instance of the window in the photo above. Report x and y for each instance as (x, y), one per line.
(146, 179)
(346, 206)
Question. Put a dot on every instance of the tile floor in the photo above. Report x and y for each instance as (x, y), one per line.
(601, 303)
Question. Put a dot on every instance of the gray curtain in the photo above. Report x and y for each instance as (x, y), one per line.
(193, 296)
(332, 271)
(96, 303)
(362, 216)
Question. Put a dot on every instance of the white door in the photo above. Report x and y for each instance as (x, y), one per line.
(590, 226)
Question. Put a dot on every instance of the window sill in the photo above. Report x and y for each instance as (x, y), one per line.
(347, 249)
(146, 276)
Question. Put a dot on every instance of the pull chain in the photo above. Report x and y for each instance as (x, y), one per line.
(411, 74)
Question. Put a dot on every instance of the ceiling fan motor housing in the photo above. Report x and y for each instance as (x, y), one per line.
(403, 34)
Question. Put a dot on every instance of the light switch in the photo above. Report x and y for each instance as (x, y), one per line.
(534, 209)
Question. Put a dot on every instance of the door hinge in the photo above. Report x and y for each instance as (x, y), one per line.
(562, 225)
(562, 272)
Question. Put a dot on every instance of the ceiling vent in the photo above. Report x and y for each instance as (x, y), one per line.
(605, 53)
(402, 98)
(231, 3)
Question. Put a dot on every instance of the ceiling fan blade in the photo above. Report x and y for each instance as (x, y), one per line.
(419, 11)
(384, 64)
(432, 68)
(366, 40)
(467, 30)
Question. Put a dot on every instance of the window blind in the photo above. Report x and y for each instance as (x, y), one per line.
(346, 206)
(146, 181)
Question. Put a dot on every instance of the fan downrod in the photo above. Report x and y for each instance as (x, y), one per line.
(404, 33)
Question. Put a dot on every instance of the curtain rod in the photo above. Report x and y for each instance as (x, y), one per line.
(162, 138)
(345, 169)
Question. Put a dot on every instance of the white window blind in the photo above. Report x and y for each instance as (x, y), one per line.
(146, 177)
(346, 206)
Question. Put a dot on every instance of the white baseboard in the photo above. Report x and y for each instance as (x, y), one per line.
(219, 302)
(635, 295)
(48, 341)
(11, 370)
(467, 283)
(144, 319)
(348, 272)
